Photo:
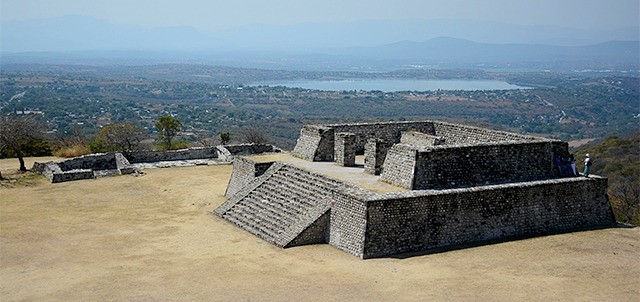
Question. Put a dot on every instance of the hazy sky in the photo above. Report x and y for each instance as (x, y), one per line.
(216, 15)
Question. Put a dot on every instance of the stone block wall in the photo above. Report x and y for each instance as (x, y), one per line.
(345, 149)
(348, 224)
(375, 152)
(72, 175)
(47, 169)
(447, 166)
(399, 166)
(170, 155)
(415, 221)
(482, 164)
(421, 139)
(387, 131)
(455, 134)
(244, 171)
(315, 143)
(100, 161)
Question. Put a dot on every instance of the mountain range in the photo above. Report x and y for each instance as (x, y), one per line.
(445, 43)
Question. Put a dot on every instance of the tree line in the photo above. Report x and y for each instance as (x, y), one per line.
(24, 135)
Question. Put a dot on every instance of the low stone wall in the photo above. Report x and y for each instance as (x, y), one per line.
(462, 134)
(244, 171)
(470, 165)
(422, 220)
(170, 155)
(248, 149)
(47, 169)
(316, 142)
(399, 166)
(421, 139)
(72, 175)
(100, 161)
(387, 131)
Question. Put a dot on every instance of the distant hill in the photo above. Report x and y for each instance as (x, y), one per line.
(445, 50)
(79, 33)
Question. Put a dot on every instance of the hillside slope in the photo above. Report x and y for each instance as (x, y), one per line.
(618, 158)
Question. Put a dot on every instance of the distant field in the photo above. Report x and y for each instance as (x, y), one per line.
(152, 238)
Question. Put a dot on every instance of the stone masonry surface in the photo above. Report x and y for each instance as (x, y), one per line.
(316, 142)
(345, 149)
(469, 165)
(420, 139)
(421, 220)
(109, 164)
(375, 152)
(480, 185)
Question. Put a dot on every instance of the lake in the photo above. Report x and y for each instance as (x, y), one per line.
(392, 85)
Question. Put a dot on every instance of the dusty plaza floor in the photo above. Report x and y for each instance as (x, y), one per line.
(152, 238)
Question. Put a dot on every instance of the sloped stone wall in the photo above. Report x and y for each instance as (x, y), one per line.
(244, 171)
(100, 161)
(315, 143)
(463, 134)
(417, 221)
(47, 169)
(445, 166)
(399, 166)
(170, 155)
(481, 164)
(421, 139)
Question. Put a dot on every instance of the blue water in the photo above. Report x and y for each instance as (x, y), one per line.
(392, 85)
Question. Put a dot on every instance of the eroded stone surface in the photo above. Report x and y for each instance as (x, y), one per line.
(462, 185)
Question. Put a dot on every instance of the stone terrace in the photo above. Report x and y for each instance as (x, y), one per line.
(353, 175)
(442, 185)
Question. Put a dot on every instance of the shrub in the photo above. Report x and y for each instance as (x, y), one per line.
(73, 151)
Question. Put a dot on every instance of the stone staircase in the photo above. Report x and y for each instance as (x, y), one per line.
(282, 206)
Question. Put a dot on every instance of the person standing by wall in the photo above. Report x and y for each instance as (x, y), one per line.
(587, 165)
(572, 163)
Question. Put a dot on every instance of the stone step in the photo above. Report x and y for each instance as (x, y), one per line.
(249, 227)
(271, 211)
(288, 209)
(255, 220)
(305, 177)
(301, 197)
(298, 198)
(308, 189)
(290, 193)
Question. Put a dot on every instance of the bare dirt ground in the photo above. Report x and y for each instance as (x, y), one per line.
(152, 238)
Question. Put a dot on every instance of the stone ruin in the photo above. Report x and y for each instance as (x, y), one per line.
(113, 163)
(435, 185)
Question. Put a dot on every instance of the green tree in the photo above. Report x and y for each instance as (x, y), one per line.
(225, 137)
(168, 127)
(123, 137)
(16, 132)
